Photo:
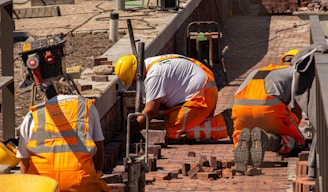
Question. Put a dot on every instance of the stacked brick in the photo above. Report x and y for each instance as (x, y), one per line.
(280, 6)
(303, 182)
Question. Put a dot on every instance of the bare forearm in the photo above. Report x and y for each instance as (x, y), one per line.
(24, 165)
(98, 158)
(151, 110)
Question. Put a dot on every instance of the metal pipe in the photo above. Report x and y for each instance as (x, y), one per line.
(120, 5)
(131, 35)
(139, 77)
(113, 27)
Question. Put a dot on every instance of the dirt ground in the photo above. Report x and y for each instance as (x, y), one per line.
(78, 48)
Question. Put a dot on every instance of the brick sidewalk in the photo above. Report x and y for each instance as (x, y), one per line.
(254, 41)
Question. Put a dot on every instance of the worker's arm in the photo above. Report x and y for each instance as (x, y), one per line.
(151, 109)
(98, 158)
(297, 110)
(24, 165)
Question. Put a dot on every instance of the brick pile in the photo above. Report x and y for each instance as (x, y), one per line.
(303, 182)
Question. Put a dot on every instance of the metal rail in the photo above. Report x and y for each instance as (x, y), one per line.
(321, 88)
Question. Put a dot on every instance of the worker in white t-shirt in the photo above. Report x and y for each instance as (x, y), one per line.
(184, 90)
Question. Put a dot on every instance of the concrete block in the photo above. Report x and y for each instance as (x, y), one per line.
(155, 136)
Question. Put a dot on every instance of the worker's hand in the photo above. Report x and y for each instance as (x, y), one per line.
(99, 173)
(135, 131)
(135, 126)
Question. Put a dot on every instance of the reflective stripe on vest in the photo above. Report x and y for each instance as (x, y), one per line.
(47, 132)
(272, 101)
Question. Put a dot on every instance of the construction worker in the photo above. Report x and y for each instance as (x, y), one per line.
(62, 138)
(183, 90)
(263, 119)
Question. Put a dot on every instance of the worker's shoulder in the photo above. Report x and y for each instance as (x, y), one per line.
(63, 98)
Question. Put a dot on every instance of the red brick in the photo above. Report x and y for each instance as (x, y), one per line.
(156, 150)
(303, 155)
(117, 187)
(191, 154)
(185, 168)
(227, 163)
(96, 61)
(84, 87)
(106, 62)
(193, 171)
(301, 168)
(206, 175)
(99, 78)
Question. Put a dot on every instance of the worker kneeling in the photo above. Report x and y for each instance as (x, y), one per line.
(263, 119)
(184, 90)
(62, 138)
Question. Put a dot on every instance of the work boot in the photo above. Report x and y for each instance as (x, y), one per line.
(253, 171)
(242, 151)
(261, 142)
(227, 113)
(257, 149)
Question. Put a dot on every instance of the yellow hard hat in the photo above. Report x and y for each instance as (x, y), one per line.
(288, 56)
(8, 155)
(125, 68)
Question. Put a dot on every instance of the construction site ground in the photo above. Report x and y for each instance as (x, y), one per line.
(254, 41)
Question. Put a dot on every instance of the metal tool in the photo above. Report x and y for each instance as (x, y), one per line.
(137, 165)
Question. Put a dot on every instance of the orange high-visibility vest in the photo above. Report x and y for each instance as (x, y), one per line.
(253, 107)
(61, 147)
(194, 118)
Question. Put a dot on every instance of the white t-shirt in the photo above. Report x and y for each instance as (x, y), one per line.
(28, 123)
(174, 80)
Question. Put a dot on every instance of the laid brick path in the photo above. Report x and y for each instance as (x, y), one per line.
(254, 41)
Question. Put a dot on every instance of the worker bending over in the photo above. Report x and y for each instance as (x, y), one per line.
(184, 90)
(263, 119)
(62, 138)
